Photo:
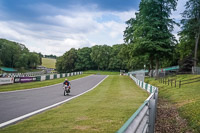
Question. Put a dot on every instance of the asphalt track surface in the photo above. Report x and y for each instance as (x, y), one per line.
(19, 103)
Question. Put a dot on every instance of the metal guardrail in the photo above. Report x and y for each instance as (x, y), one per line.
(143, 120)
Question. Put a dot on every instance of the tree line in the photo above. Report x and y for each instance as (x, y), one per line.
(16, 55)
(148, 41)
(98, 57)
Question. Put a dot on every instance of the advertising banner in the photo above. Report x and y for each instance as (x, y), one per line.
(24, 79)
(6, 81)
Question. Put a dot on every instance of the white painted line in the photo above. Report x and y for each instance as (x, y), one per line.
(39, 87)
(48, 107)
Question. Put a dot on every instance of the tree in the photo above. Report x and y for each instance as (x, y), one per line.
(60, 65)
(41, 56)
(115, 62)
(16, 55)
(66, 63)
(84, 61)
(23, 61)
(10, 52)
(190, 28)
(100, 55)
(33, 60)
(152, 29)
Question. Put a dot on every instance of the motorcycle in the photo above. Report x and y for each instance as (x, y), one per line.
(66, 90)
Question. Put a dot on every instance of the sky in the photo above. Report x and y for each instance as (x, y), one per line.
(56, 26)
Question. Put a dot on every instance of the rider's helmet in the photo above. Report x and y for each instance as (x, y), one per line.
(66, 79)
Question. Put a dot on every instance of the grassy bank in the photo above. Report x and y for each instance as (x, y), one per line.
(101, 72)
(21, 86)
(186, 99)
(104, 109)
(49, 63)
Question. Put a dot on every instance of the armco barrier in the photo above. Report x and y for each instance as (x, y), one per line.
(51, 76)
(143, 120)
(43, 78)
(36, 78)
(58, 75)
(47, 77)
(55, 76)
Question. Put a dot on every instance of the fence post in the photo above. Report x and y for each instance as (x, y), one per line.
(175, 82)
(152, 114)
(171, 82)
(179, 84)
(168, 81)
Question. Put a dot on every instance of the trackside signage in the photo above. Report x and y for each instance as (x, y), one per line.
(24, 79)
(6, 80)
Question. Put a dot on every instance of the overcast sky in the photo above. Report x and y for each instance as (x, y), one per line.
(55, 26)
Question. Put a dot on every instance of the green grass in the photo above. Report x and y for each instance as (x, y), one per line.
(186, 98)
(49, 63)
(22, 86)
(101, 72)
(102, 110)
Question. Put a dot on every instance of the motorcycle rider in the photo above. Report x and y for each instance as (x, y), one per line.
(66, 83)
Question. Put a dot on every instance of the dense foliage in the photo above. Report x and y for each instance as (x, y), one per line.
(16, 55)
(189, 36)
(150, 32)
(101, 57)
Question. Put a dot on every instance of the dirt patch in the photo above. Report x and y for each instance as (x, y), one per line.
(82, 118)
(82, 127)
(168, 119)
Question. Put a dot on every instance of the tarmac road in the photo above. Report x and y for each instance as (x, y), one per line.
(19, 103)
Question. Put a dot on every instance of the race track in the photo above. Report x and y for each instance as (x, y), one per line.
(16, 104)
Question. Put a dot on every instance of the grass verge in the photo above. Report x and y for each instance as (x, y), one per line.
(22, 86)
(186, 99)
(101, 72)
(104, 109)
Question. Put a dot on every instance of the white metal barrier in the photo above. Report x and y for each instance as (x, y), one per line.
(143, 120)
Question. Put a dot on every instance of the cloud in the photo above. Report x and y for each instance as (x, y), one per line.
(53, 29)
(57, 33)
